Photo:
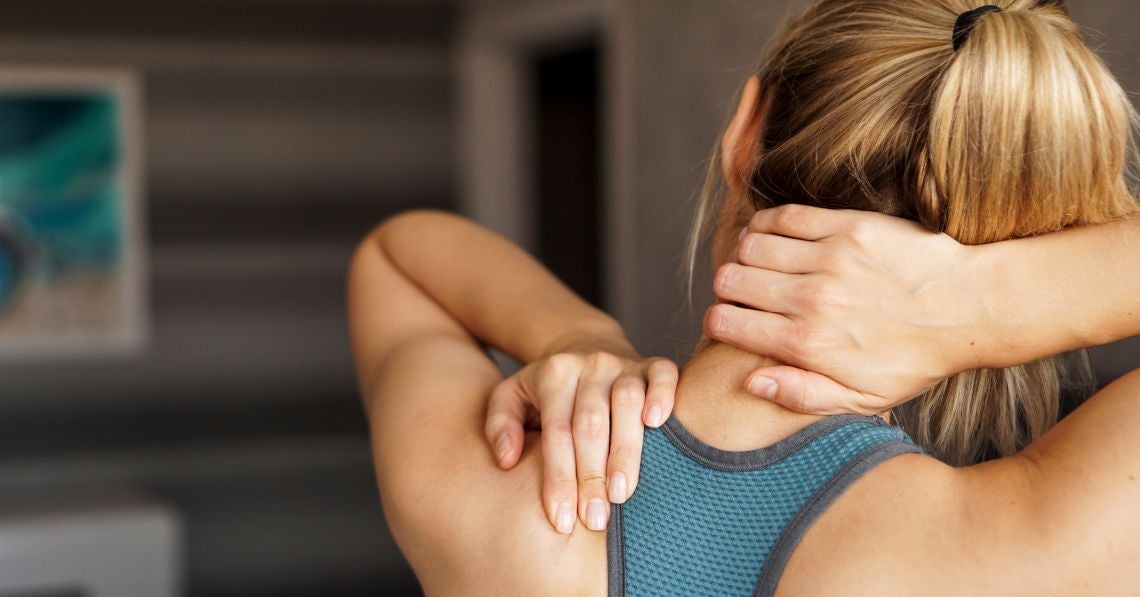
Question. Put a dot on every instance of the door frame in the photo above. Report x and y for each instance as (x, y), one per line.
(496, 42)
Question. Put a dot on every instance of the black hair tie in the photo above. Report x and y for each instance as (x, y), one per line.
(966, 22)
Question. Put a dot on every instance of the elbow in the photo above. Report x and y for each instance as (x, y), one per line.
(417, 221)
(396, 230)
(372, 251)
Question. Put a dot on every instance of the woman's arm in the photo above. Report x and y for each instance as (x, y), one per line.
(493, 289)
(1049, 294)
(869, 310)
(425, 381)
(483, 287)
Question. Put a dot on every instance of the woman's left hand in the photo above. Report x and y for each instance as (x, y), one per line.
(865, 310)
(591, 405)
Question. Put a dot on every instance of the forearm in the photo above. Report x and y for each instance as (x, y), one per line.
(501, 294)
(1052, 293)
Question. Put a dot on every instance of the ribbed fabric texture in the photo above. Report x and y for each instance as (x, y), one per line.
(694, 528)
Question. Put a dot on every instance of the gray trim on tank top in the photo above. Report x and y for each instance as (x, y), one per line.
(816, 505)
(615, 553)
(753, 460)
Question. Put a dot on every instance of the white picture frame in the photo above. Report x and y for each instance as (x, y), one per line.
(76, 288)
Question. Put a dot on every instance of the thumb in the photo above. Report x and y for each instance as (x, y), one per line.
(808, 392)
(506, 415)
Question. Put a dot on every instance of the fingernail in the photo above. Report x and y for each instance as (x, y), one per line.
(564, 519)
(596, 515)
(655, 416)
(764, 387)
(503, 446)
(618, 488)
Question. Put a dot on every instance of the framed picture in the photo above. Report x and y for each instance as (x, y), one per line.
(72, 264)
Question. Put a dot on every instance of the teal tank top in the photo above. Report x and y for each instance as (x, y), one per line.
(705, 521)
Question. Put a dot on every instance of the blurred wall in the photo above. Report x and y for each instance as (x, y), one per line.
(691, 59)
(277, 132)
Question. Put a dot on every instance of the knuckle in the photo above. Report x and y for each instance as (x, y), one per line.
(818, 296)
(789, 216)
(718, 320)
(811, 341)
(559, 366)
(860, 232)
(592, 477)
(808, 399)
(663, 370)
(756, 222)
(592, 422)
(592, 483)
(602, 361)
(750, 247)
(623, 452)
(497, 420)
(828, 297)
(798, 401)
(833, 260)
(561, 451)
(555, 427)
(726, 276)
(811, 300)
(628, 392)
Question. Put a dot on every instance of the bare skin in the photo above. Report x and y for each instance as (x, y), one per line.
(1035, 523)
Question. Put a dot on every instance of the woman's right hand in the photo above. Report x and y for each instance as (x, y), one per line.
(592, 402)
(866, 310)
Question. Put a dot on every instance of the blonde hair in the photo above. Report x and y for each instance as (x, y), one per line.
(1020, 132)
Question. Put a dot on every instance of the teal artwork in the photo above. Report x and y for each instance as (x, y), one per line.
(69, 268)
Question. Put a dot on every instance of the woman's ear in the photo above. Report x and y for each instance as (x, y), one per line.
(743, 136)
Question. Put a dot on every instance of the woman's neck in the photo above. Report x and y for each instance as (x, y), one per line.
(713, 404)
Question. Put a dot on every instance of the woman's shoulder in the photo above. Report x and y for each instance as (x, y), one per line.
(913, 525)
(484, 533)
(465, 525)
(869, 524)
(532, 557)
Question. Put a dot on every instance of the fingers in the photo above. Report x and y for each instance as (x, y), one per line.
(591, 437)
(662, 375)
(811, 393)
(758, 288)
(779, 253)
(757, 332)
(626, 435)
(506, 415)
(799, 221)
(556, 389)
(634, 405)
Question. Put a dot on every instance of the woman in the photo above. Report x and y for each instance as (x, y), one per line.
(862, 105)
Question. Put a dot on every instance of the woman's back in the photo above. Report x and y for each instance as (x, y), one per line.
(705, 520)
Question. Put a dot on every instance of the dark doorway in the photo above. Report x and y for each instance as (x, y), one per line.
(568, 164)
